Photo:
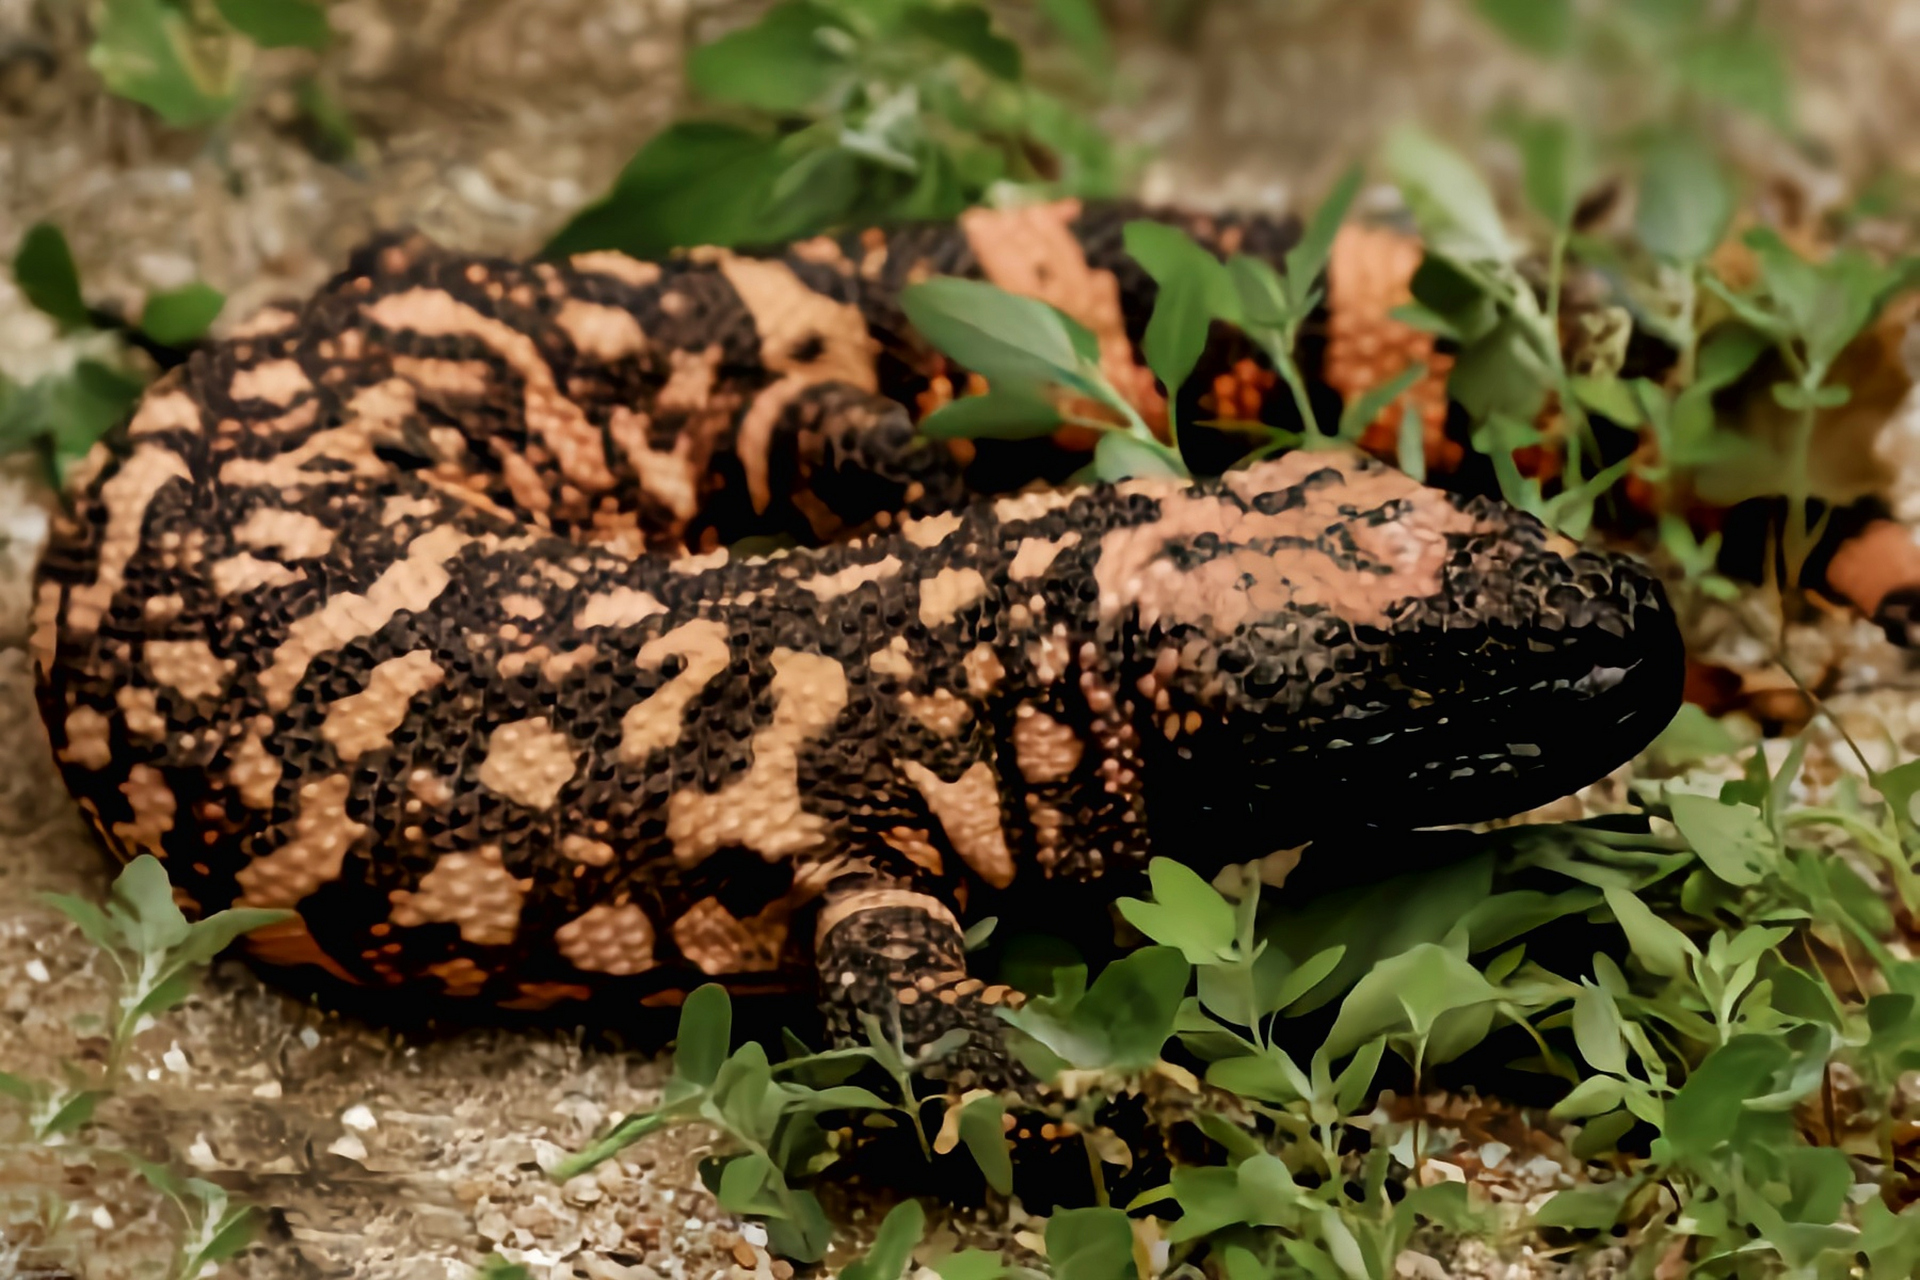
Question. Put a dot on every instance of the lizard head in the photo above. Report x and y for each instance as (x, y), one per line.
(1323, 636)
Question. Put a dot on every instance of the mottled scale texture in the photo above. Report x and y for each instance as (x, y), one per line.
(411, 610)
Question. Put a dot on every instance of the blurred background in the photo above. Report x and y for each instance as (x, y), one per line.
(171, 148)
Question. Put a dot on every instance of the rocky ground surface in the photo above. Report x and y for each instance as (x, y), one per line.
(485, 123)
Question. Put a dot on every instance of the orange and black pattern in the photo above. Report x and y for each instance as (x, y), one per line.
(414, 610)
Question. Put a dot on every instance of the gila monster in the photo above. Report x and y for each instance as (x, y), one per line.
(417, 610)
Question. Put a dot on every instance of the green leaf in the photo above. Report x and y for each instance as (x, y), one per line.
(1412, 455)
(1361, 411)
(279, 24)
(893, 1244)
(1303, 979)
(1262, 296)
(71, 1113)
(233, 1232)
(1597, 1030)
(330, 132)
(1194, 287)
(1501, 375)
(1594, 1207)
(804, 1233)
(1602, 1134)
(1080, 24)
(1709, 1106)
(1734, 840)
(151, 923)
(1685, 201)
(1743, 68)
(741, 1180)
(1411, 993)
(1000, 335)
(779, 64)
(1119, 456)
(43, 268)
(1355, 1081)
(1691, 737)
(1090, 1244)
(1552, 168)
(986, 1141)
(1538, 26)
(967, 29)
(1307, 260)
(1662, 948)
(706, 1028)
(150, 52)
(18, 1088)
(70, 412)
(93, 922)
(1791, 395)
(999, 414)
(495, 1267)
(1590, 1097)
(166, 992)
(1727, 353)
(697, 182)
(1450, 201)
(1611, 398)
(181, 316)
(1264, 1076)
(1186, 913)
(1123, 1019)
(209, 937)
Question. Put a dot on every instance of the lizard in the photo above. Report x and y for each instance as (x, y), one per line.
(418, 610)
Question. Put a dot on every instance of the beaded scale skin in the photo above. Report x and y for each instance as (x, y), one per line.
(410, 610)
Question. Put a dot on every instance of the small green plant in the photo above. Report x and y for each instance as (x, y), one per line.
(187, 60)
(61, 415)
(831, 113)
(157, 956)
(495, 1267)
(768, 1116)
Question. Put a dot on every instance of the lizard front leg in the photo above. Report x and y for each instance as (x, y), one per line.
(894, 950)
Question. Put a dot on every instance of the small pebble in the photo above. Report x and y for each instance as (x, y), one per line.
(37, 970)
(359, 1117)
(348, 1146)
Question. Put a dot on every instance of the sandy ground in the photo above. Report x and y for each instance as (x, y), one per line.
(485, 123)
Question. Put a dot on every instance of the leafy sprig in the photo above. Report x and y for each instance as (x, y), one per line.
(829, 113)
(157, 957)
(61, 415)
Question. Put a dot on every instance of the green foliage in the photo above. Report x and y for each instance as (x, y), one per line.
(769, 1118)
(893, 1244)
(214, 1228)
(43, 268)
(186, 59)
(61, 415)
(155, 951)
(1032, 356)
(181, 316)
(1037, 361)
(831, 113)
(157, 956)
